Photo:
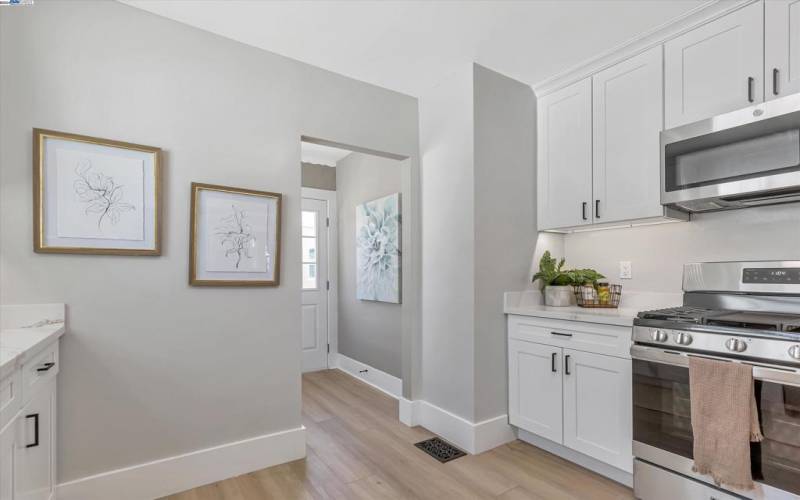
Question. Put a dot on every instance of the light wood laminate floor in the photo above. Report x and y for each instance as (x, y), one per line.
(358, 449)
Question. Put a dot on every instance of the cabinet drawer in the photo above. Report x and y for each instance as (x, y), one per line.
(40, 368)
(10, 397)
(611, 340)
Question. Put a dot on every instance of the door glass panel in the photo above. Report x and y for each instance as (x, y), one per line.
(309, 249)
(661, 407)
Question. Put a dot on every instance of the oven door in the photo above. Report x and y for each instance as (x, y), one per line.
(662, 426)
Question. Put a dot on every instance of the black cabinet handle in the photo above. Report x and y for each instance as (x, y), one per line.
(561, 334)
(775, 75)
(566, 364)
(553, 362)
(597, 209)
(35, 417)
(45, 367)
(583, 210)
(750, 82)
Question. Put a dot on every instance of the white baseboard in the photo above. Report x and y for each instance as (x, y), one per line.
(471, 437)
(378, 379)
(183, 472)
(587, 462)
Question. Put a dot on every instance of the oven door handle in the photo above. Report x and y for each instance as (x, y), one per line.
(767, 373)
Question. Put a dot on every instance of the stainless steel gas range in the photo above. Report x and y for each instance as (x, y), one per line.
(741, 312)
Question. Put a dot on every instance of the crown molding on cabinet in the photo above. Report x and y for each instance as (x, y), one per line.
(698, 16)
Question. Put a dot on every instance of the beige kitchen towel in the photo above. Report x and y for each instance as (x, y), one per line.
(724, 420)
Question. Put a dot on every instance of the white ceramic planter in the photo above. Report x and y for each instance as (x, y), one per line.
(559, 296)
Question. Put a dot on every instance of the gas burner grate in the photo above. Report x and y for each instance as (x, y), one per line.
(439, 449)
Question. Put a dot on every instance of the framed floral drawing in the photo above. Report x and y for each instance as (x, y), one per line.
(235, 237)
(95, 196)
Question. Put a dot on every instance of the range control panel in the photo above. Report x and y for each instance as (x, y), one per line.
(771, 275)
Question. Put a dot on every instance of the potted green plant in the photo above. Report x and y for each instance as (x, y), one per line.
(557, 283)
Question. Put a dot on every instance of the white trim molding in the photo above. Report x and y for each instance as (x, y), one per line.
(702, 14)
(183, 472)
(378, 379)
(471, 437)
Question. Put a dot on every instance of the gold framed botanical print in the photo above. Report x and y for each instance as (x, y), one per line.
(235, 236)
(95, 196)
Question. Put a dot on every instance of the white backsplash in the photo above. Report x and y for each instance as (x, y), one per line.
(26, 315)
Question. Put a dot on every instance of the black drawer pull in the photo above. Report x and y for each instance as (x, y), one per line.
(596, 209)
(45, 367)
(566, 364)
(553, 362)
(583, 210)
(561, 334)
(35, 417)
(750, 82)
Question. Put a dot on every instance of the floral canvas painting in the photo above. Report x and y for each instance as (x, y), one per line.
(378, 246)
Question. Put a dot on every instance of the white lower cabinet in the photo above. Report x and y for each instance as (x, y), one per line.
(598, 407)
(536, 389)
(8, 444)
(579, 399)
(35, 457)
(28, 439)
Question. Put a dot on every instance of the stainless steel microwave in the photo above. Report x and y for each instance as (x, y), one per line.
(745, 158)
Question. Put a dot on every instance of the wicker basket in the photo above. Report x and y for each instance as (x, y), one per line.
(586, 296)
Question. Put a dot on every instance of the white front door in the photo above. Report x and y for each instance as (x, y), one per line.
(315, 284)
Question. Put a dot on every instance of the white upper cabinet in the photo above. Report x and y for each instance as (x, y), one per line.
(782, 48)
(628, 117)
(715, 68)
(565, 156)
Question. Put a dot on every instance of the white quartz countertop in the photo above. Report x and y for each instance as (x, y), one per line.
(530, 303)
(25, 330)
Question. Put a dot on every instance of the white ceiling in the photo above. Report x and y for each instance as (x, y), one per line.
(409, 46)
(321, 155)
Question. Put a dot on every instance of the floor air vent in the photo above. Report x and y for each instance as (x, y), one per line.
(439, 449)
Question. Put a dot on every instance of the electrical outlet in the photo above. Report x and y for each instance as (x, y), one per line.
(625, 271)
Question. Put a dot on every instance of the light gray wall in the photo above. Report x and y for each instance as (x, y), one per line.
(318, 176)
(658, 252)
(151, 367)
(505, 222)
(448, 245)
(370, 332)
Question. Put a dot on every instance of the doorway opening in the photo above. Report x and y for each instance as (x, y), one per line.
(359, 290)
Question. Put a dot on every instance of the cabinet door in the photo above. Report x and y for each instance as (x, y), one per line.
(597, 407)
(782, 51)
(565, 157)
(7, 460)
(35, 471)
(715, 68)
(628, 117)
(534, 385)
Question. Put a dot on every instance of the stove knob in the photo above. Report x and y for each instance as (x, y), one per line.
(736, 345)
(683, 338)
(794, 351)
(659, 336)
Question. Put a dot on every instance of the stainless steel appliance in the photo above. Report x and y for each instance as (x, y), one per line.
(749, 157)
(740, 312)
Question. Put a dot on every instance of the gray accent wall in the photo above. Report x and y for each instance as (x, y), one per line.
(318, 176)
(505, 222)
(479, 232)
(369, 332)
(151, 367)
